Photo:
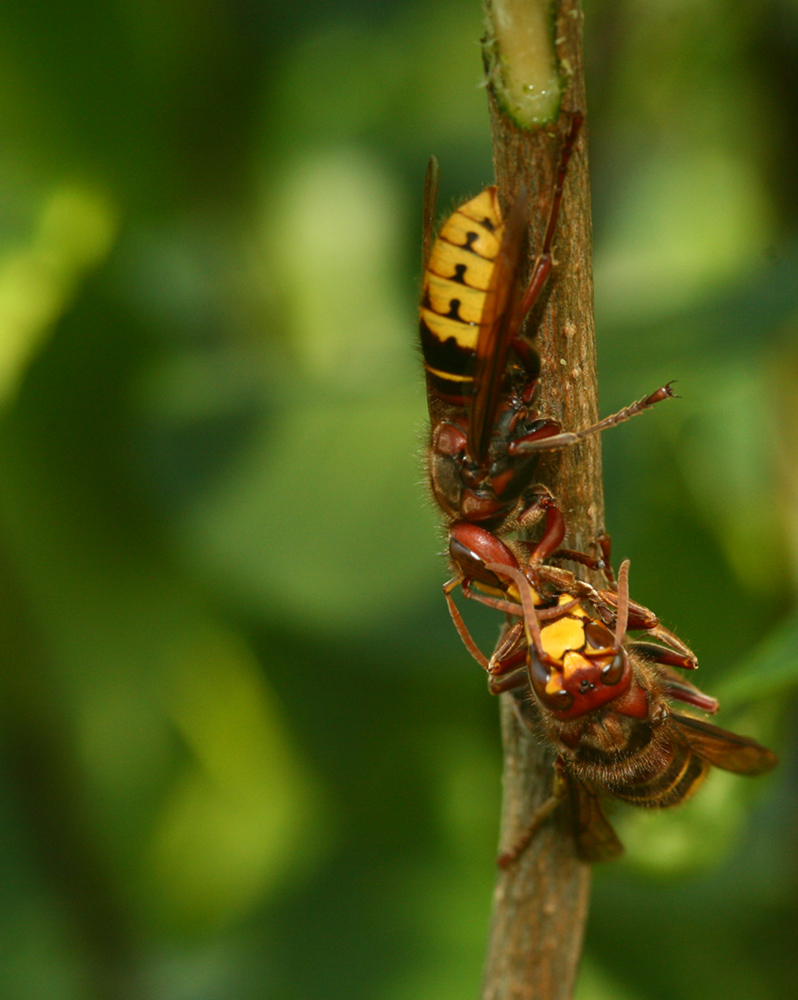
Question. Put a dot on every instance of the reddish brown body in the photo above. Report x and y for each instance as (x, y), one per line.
(486, 434)
(600, 698)
(607, 714)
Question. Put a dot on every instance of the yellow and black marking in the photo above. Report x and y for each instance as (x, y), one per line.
(566, 634)
(566, 642)
(454, 293)
(667, 787)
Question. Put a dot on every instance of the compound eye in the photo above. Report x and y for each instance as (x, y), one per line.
(558, 701)
(598, 636)
(613, 672)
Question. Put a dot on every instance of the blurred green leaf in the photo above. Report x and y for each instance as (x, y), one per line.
(234, 822)
(670, 246)
(330, 232)
(770, 670)
(323, 521)
(727, 454)
(72, 234)
(594, 984)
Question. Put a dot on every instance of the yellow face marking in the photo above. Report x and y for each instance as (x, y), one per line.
(564, 634)
(575, 662)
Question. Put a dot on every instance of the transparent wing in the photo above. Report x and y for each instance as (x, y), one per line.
(498, 326)
(724, 749)
(595, 837)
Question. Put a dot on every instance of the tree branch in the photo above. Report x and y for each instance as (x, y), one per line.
(540, 903)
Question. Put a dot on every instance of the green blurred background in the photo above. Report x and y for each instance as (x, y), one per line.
(243, 753)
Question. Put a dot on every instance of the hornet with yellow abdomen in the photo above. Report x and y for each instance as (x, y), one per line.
(482, 371)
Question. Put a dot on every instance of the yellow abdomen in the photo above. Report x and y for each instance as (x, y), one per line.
(453, 292)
